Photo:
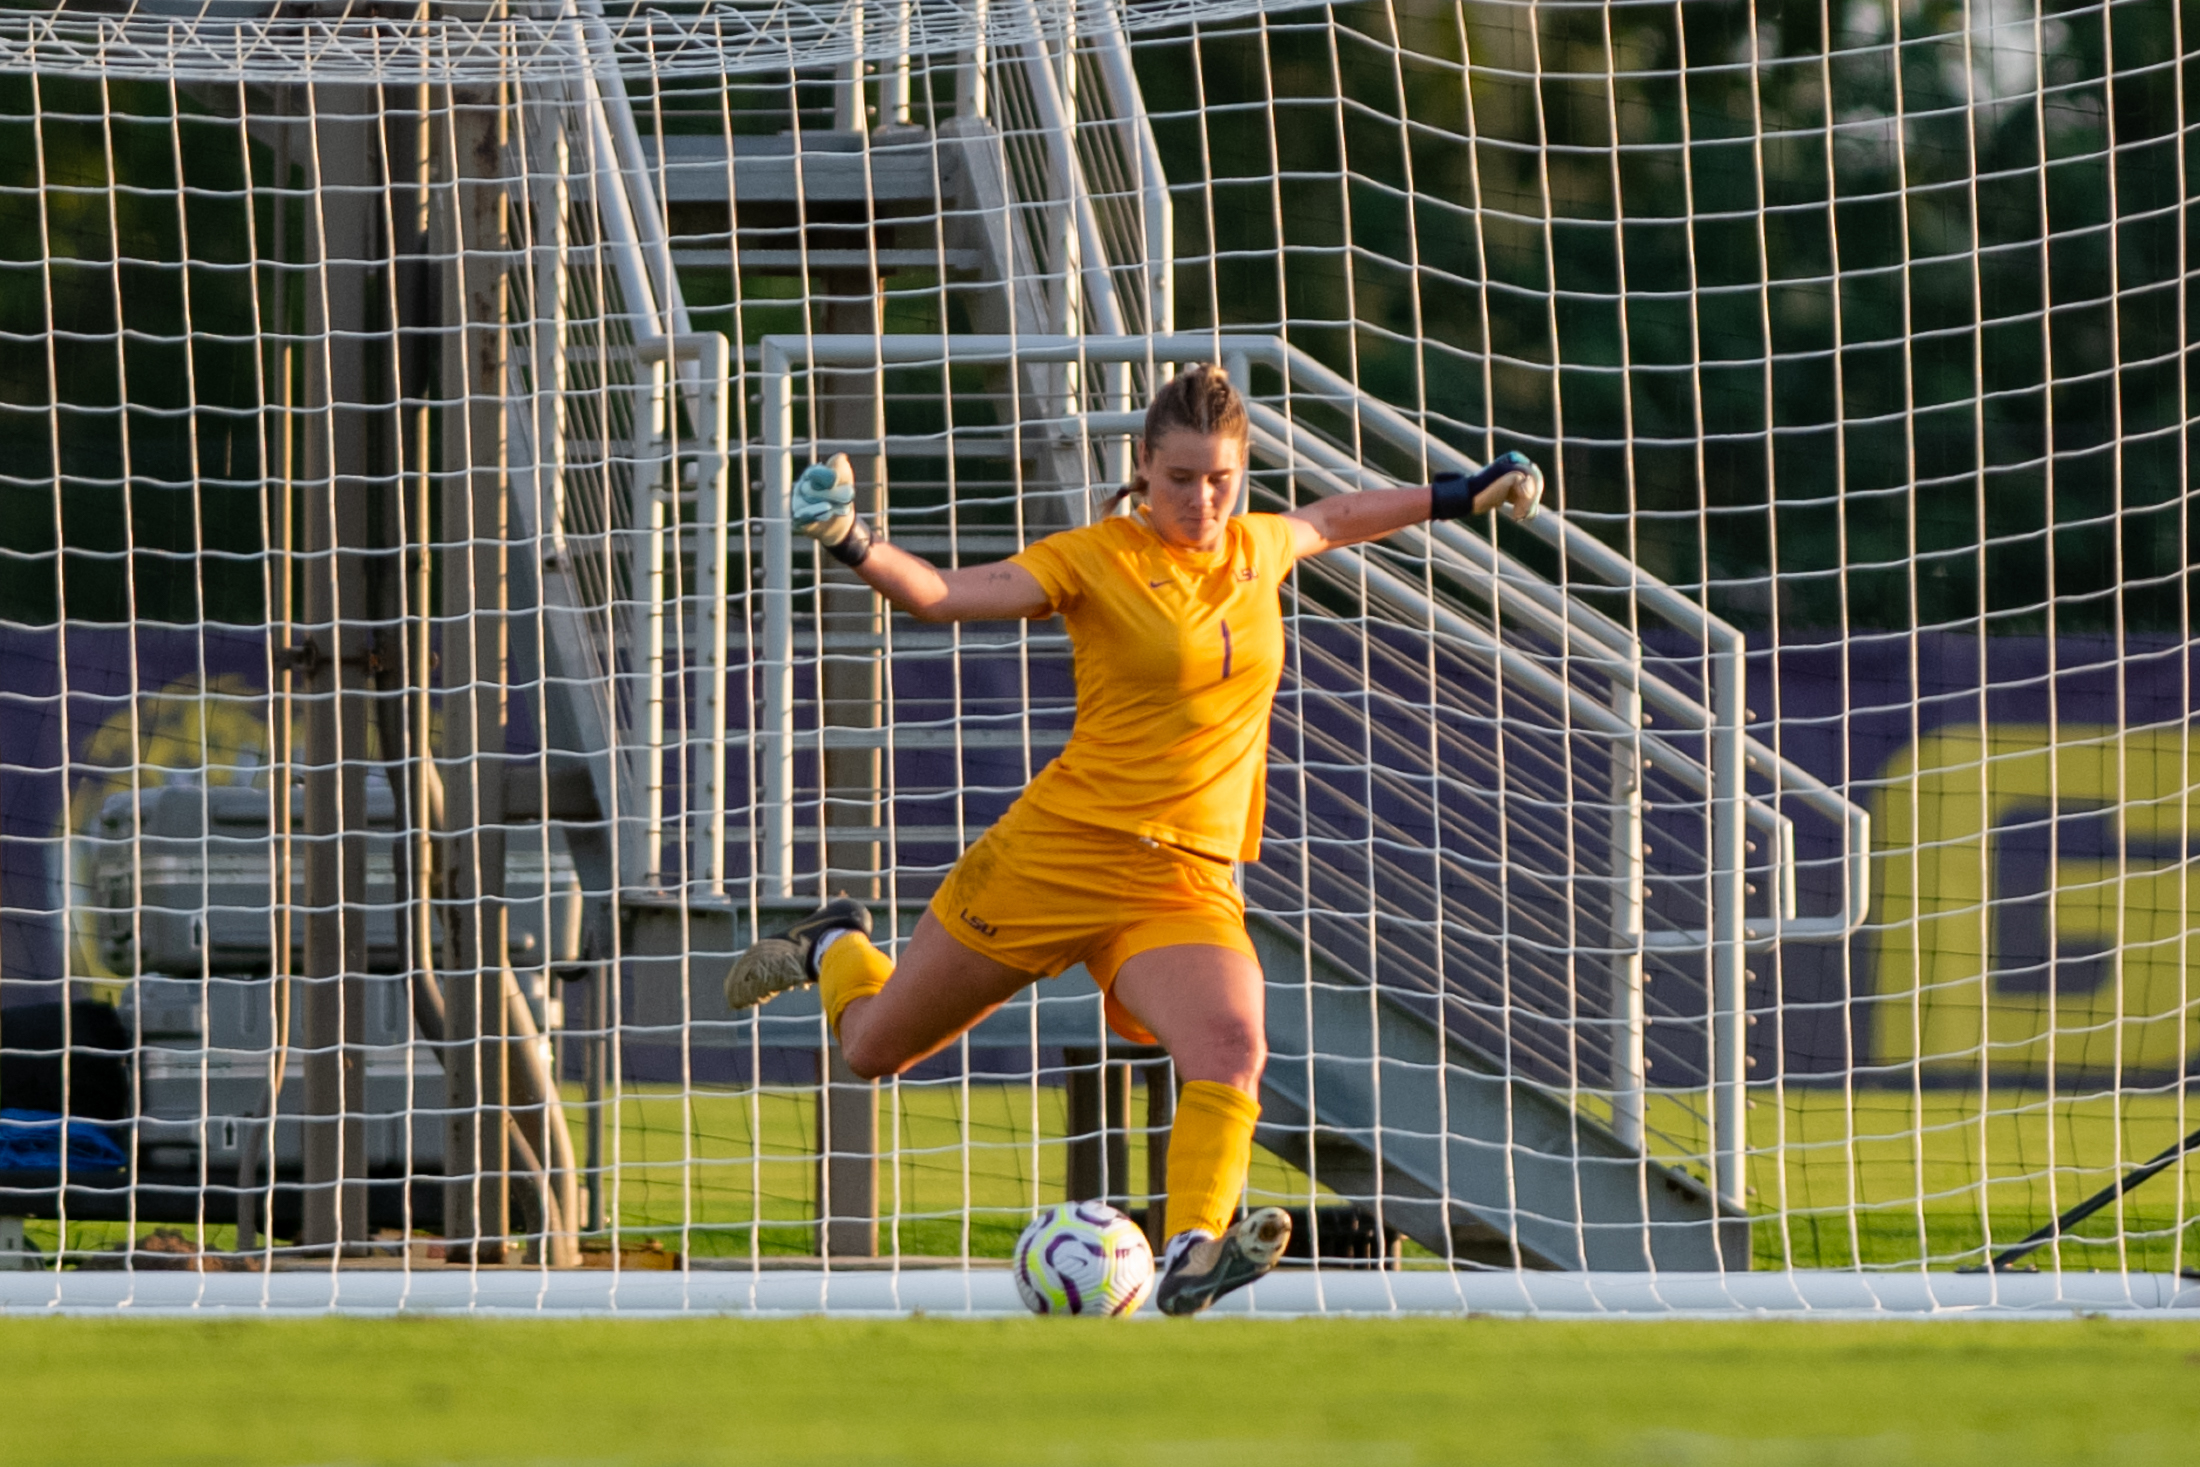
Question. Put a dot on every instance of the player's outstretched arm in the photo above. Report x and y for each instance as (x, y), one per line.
(913, 584)
(1511, 480)
(822, 507)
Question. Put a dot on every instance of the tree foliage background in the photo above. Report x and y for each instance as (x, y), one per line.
(1862, 313)
(1882, 306)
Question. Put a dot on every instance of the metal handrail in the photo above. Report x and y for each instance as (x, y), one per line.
(1480, 561)
(640, 254)
(1554, 619)
(1112, 50)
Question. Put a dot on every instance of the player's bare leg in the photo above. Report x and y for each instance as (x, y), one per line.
(1206, 1004)
(940, 989)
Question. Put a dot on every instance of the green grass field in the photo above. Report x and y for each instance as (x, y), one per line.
(1885, 1178)
(1880, 1177)
(1208, 1393)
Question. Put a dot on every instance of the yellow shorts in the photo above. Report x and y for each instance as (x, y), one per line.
(1041, 894)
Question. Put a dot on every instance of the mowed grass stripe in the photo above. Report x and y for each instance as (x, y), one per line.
(1210, 1392)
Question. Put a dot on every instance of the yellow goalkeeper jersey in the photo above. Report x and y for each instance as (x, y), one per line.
(1178, 653)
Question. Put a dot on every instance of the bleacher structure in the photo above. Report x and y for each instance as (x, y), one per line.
(560, 714)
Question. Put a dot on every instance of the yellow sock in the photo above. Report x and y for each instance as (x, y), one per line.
(851, 969)
(1210, 1149)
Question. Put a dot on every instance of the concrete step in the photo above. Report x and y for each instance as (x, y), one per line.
(830, 168)
(779, 259)
(821, 202)
(1377, 1100)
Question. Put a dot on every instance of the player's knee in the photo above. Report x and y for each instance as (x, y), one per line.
(1231, 1053)
(1250, 1052)
(870, 1059)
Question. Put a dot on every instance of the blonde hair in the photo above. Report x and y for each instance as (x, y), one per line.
(1200, 399)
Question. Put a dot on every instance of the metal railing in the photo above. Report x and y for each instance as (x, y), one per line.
(582, 136)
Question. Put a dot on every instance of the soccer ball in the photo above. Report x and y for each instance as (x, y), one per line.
(1083, 1258)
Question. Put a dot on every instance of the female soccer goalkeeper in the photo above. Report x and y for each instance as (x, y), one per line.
(1119, 853)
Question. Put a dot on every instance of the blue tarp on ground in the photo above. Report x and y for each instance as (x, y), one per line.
(31, 1140)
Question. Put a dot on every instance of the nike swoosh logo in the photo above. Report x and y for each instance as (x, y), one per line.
(1156, 584)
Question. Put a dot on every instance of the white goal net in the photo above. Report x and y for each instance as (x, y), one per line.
(1761, 881)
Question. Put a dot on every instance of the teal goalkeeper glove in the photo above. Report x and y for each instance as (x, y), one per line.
(822, 507)
(1510, 479)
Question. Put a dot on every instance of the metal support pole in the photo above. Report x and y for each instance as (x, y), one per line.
(702, 364)
(410, 756)
(547, 331)
(346, 242)
(1729, 835)
(712, 355)
(971, 99)
(1160, 1122)
(1084, 1172)
(1629, 1072)
(1099, 1105)
(651, 493)
(259, 1141)
(775, 730)
(536, 1112)
(893, 81)
(849, 111)
(538, 1118)
(1115, 1151)
(852, 627)
(477, 1203)
(1240, 368)
(850, 405)
(847, 1145)
(595, 1086)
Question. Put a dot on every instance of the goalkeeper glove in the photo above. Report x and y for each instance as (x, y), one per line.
(822, 507)
(1510, 479)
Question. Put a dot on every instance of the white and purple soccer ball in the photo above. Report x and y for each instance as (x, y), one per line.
(1083, 1258)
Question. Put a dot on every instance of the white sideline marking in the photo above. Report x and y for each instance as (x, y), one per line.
(988, 1291)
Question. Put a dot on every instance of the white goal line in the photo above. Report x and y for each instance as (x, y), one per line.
(988, 1292)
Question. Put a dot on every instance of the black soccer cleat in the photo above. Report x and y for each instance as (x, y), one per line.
(772, 965)
(1208, 1268)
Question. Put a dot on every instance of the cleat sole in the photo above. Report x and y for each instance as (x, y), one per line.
(770, 967)
(1240, 1257)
